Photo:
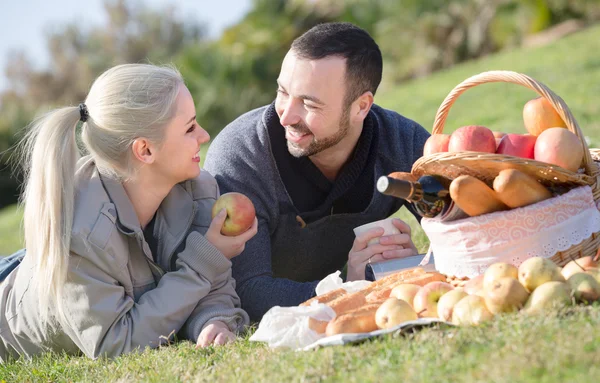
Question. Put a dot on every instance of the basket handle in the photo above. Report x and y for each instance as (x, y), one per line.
(520, 79)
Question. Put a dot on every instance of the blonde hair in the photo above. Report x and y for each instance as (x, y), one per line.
(126, 102)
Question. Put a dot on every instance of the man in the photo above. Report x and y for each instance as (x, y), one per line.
(309, 162)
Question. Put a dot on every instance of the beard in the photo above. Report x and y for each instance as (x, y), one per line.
(318, 145)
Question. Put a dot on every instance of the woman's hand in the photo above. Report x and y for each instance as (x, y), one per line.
(229, 246)
(389, 247)
(216, 333)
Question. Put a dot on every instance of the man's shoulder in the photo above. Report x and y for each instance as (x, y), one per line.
(242, 128)
(242, 143)
(393, 119)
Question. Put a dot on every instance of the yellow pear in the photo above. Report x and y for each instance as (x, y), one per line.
(585, 287)
(536, 271)
(447, 302)
(505, 295)
(471, 311)
(497, 271)
(406, 292)
(547, 296)
(394, 311)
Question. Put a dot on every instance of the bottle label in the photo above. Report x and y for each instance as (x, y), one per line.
(453, 213)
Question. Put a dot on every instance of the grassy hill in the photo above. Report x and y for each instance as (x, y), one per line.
(561, 347)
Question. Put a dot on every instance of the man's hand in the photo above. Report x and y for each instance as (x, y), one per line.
(389, 247)
(229, 246)
(216, 333)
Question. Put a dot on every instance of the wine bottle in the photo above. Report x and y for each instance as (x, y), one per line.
(429, 196)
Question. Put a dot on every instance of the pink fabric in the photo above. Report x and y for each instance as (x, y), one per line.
(466, 247)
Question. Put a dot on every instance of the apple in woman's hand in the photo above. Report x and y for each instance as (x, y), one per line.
(240, 213)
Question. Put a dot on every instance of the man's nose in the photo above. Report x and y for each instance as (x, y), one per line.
(289, 116)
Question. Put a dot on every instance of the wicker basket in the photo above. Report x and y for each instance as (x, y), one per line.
(486, 166)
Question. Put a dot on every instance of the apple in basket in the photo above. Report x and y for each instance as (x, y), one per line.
(427, 298)
(539, 115)
(436, 143)
(558, 146)
(474, 138)
(518, 145)
(240, 213)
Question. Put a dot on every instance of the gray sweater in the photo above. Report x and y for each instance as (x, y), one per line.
(284, 262)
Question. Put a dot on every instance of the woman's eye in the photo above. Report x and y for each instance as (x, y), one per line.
(191, 129)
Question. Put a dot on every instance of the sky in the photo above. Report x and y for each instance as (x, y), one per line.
(23, 22)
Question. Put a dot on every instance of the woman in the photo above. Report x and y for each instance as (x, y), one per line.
(121, 251)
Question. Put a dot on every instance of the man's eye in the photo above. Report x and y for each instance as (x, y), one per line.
(191, 129)
(281, 91)
(308, 106)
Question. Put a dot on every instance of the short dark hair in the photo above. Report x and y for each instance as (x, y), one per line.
(364, 64)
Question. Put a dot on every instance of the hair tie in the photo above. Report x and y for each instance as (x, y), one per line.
(83, 112)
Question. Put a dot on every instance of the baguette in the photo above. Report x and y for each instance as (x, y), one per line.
(318, 326)
(392, 278)
(517, 189)
(474, 197)
(327, 297)
(420, 280)
(357, 321)
(347, 302)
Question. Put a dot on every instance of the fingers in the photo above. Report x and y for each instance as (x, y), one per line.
(401, 225)
(251, 232)
(217, 223)
(362, 240)
(400, 253)
(213, 334)
(360, 257)
(396, 239)
(207, 335)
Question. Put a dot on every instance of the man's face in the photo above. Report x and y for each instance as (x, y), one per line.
(310, 103)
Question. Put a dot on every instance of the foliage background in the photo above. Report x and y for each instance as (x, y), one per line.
(237, 72)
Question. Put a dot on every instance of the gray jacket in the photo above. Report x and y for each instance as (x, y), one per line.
(118, 297)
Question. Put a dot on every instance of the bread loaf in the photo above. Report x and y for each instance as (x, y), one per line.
(327, 297)
(420, 280)
(474, 197)
(357, 321)
(517, 189)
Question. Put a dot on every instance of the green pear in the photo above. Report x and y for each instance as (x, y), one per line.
(585, 287)
(505, 295)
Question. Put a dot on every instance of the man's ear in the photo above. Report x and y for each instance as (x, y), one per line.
(143, 150)
(362, 105)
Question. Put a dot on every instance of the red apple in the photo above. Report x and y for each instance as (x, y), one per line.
(240, 213)
(428, 296)
(518, 145)
(472, 137)
(436, 143)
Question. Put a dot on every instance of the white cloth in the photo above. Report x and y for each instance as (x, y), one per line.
(468, 246)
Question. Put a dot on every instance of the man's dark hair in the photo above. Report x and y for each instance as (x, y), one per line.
(363, 57)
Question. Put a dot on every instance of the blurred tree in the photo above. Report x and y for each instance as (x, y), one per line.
(134, 33)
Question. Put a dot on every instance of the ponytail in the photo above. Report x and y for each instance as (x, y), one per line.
(50, 154)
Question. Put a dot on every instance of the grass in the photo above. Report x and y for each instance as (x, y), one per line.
(559, 347)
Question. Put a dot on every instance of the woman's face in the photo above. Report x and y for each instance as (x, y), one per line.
(178, 159)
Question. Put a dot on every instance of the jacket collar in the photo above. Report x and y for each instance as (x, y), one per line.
(126, 215)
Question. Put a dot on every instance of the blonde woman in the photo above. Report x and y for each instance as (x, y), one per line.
(121, 251)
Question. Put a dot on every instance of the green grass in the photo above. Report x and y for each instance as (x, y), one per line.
(561, 347)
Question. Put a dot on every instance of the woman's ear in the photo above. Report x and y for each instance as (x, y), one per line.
(143, 150)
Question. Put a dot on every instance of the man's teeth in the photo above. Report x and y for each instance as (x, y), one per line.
(296, 134)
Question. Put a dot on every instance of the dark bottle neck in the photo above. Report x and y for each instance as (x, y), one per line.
(410, 191)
